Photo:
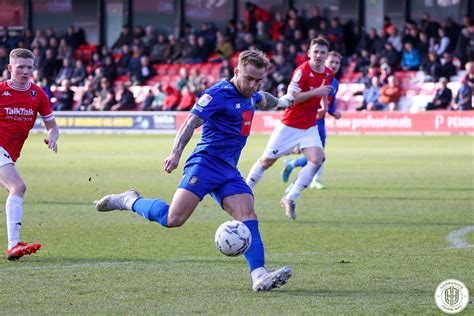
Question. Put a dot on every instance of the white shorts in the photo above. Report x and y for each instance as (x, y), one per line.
(284, 138)
(5, 157)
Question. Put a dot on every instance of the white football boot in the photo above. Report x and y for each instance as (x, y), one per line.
(272, 279)
(122, 201)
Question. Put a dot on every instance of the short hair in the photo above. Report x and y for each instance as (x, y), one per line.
(255, 57)
(21, 53)
(319, 41)
(335, 54)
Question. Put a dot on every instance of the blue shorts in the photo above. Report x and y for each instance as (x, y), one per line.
(322, 134)
(204, 174)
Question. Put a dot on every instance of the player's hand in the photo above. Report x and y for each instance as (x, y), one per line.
(321, 113)
(52, 144)
(324, 90)
(286, 101)
(337, 115)
(171, 162)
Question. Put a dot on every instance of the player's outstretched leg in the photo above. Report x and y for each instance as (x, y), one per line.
(290, 164)
(272, 279)
(316, 183)
(21, 249)
(122, 201)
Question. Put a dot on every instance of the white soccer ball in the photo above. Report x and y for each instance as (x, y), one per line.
(233, 238)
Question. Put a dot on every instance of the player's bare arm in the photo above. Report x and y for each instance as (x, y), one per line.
(323, 90)
(53, 135)
(324, 108)
(269, 101)
(182, 139)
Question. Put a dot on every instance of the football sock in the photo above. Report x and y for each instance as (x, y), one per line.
(255, 255)
(317, 176)
(153, 210)
(255, 174)
(14, 211)
(257, 273)
(300, 162)
(304, 178)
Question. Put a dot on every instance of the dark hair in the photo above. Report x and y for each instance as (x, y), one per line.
(319, 41)
(254, 57)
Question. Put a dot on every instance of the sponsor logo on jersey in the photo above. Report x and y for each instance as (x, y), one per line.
(18, 111)
(297, 76)
(204, 100)
(6, 94)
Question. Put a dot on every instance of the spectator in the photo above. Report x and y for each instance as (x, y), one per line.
(158, 50)
(39, 40)
(148, 101)
(64, 51)
(315, 19)
(463, 46)
(125, 99)
(375, 43)
(105, 97)
(442, 98)
(203, 50)
(65, 72)
(172, 98)
(3, 58)
(277, 27)
(138, 34)
(470, 74)
(49, 68)
(144, 73)
(411, 57)
(88, 96)
(190, 51)
(123, 64)
(452, 30)
(224, 48)
(226, 71)
(109, 68)
(428, 26)
(432, 67)
(188, 98)
(149, 39)
(72, 38)
(362, 60)
(390, 54)
(254, 14)
(335, 34)
(64, 97)
(135, 62)
(463, 100)
(448, 69)
(79, 73)
(394, 38)
(385, 73)
(173, 51)
(443, 44)
(423, 46)
(125, 38)
(371, 95)
(183, 78)
(389, 96)
(282, 71)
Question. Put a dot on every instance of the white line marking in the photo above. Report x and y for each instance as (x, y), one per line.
(456, 237)
(77, 265)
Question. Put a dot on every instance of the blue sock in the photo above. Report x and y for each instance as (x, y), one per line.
(300, 162)
(152, 210)
(255, 255)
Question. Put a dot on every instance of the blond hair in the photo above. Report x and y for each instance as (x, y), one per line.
(21, 53)
(335, 54)
(256, 58)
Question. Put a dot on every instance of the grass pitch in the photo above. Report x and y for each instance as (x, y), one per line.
(374, 242)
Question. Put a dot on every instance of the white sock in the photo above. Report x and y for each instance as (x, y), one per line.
(14, 211)
(304, 178)
(255, 174)
(317, 176)
(257, 273)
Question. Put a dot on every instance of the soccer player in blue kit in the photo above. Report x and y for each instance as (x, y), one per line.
(334, 62)
(225, 111)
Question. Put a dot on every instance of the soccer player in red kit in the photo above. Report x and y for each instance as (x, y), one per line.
(20, 102)
(310, 86)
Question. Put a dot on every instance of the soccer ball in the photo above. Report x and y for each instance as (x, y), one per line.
(233, 238)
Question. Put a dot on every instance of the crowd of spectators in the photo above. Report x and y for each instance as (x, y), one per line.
(437, 50)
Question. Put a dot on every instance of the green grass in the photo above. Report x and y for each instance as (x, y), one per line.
(389, 206)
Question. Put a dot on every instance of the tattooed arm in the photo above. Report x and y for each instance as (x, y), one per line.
(269, 101)
(182, 138)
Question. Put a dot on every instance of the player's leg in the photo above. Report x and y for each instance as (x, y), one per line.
(14, 184)
(281, 142)
(316, 183)
(240, 207)
(290, 164)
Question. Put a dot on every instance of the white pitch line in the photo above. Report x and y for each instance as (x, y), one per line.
(76, 265)
(456, 237)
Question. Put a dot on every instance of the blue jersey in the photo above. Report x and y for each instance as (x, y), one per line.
(332, 100)
(227, 119)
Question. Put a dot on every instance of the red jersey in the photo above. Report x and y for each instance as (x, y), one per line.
(18, 110)
(305, 78)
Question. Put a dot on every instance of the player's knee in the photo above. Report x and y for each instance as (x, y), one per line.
(317, 160)
(267, 162)
(175, 221)
(19, 189)
(245, 215)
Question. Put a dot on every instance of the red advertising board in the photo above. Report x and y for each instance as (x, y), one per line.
(436, 122)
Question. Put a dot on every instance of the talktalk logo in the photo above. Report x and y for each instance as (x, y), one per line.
(18, 111)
